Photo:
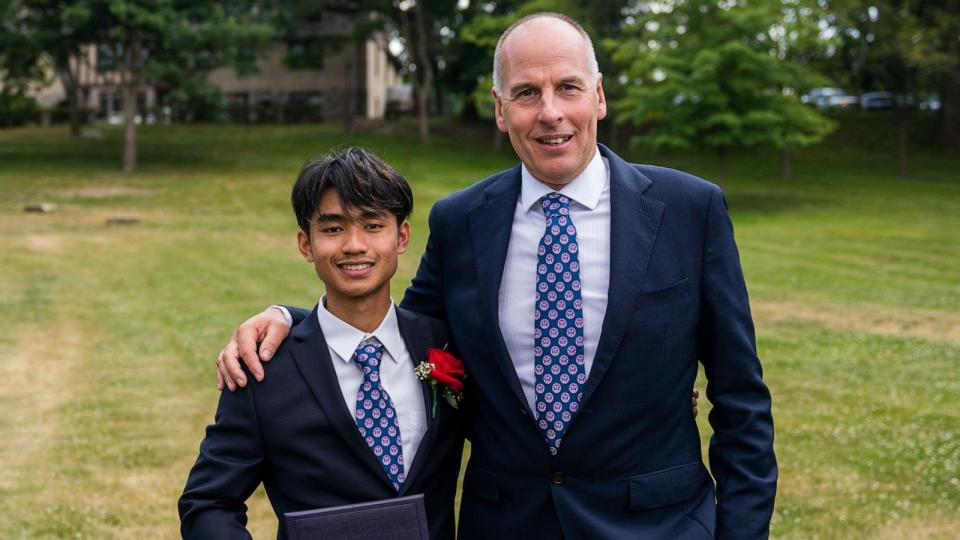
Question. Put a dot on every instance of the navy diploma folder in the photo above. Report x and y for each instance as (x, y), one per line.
(402, 518)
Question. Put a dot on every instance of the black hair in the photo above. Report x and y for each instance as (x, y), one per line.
(362, 180)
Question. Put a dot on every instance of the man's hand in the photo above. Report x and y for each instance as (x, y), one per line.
(268, 329)
(693, 402)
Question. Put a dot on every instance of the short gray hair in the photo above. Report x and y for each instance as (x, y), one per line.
(498, 52)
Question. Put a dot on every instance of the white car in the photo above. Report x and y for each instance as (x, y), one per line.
(831, 98)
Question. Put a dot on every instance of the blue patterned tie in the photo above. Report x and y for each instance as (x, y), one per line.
(376, 416)
(558, 315)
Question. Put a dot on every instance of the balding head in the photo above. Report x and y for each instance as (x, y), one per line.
(540, 23)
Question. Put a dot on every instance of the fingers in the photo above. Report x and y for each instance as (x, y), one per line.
(222, 379)
(246, 337)
(238, 349)
(693, 402)
(274, 335)
(269, 329)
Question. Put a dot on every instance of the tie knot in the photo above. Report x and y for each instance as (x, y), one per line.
(555, 204)
(368, 356)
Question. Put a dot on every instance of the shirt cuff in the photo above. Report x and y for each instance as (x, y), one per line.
(286, 314)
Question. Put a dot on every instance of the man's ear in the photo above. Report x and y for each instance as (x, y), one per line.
(602, 101)
(498, 111)
(303, 244)
(403, 237)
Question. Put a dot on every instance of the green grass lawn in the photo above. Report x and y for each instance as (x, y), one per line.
(108, 333)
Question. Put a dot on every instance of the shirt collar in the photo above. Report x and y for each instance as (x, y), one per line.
(585, 189)
(344, 338)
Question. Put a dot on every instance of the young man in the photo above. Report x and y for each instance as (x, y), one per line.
(343, 419)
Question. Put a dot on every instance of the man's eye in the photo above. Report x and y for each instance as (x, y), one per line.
(373, 226)
(526, 92)
(331, 229)
(567, 87)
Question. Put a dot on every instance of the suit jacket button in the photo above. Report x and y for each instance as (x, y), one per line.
(557, 478)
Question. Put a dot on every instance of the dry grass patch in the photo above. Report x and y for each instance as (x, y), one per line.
(936, 527)
(104, 192)
(43, 243)
(871, 319)
(38, 372)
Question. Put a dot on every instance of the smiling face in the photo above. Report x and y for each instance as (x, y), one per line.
(354, 252)
(551, 102)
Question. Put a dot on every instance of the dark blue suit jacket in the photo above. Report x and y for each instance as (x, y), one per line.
(294, 433)
(630, 465)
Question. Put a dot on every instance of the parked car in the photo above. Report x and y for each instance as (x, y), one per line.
(928, 103)
(830, 98)
(878, 100)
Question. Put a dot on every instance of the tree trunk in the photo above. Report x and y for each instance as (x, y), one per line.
(785, 163)
(903, 131)
(438, 102)
(129, 128)
(424, 73)
(73, 95)
(950, 110)
(71, 86)
(130, 87)
(353, 82)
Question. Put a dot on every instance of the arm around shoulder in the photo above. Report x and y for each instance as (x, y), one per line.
(741, 450)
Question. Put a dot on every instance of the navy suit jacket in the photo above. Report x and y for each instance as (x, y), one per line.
(630, 465)
(294, 433)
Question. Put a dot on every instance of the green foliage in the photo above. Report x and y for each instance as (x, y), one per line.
(196, 100)
(18, 53)
(716, 75)
(897, 45)
(482, 98)
(16, 109)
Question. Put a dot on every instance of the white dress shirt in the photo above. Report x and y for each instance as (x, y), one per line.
(590, 212)
(397, 375)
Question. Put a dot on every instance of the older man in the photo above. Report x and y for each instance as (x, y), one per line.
(581, 291)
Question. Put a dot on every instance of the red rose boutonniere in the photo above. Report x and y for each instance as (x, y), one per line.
(445, 373)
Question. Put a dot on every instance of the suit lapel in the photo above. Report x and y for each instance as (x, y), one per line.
(634, 222)
(312, 357)
(490, 226)
(416, 335)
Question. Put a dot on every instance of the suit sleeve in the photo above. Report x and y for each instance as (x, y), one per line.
(425, 293)
(741, 450)
(226, 473)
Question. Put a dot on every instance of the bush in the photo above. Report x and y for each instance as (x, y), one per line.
(17, 109)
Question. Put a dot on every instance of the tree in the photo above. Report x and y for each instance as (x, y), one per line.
(136, 42)
(427, 28)
(713, 74)
(416, 35)
(153, 41)
(908, 47)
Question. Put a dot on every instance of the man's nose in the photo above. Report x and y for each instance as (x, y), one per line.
(550, 112)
